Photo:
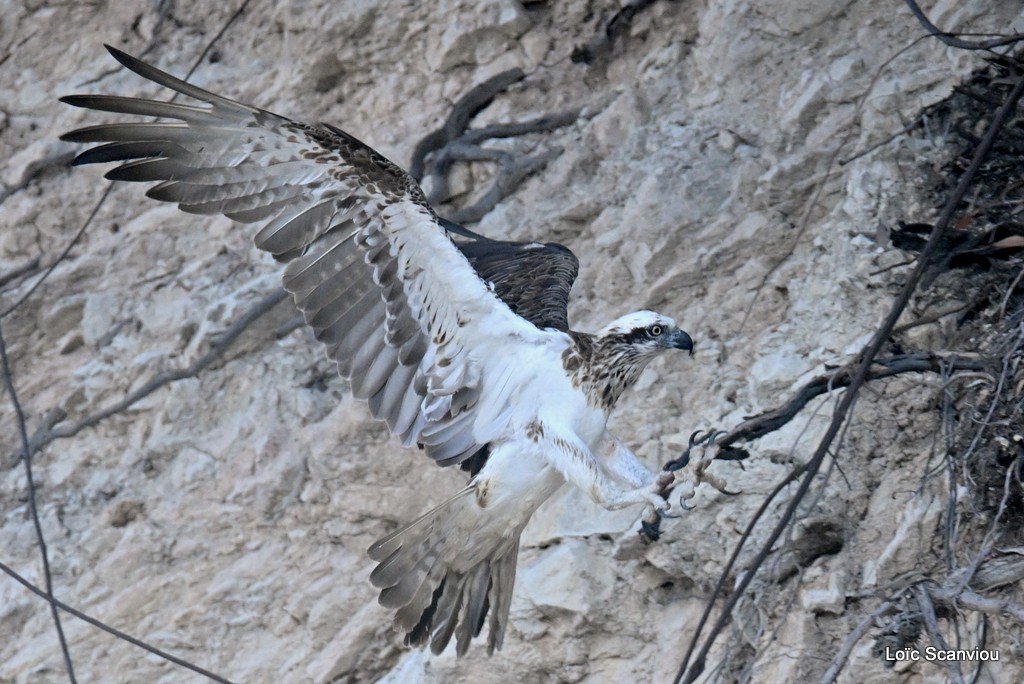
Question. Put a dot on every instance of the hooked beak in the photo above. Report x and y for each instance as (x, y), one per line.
(680, 340)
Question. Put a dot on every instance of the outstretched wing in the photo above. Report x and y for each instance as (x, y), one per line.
(532, 278)
(425, 340)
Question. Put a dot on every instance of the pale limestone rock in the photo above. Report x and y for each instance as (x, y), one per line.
(478, 37)
(829, 599)
(546, 583)
(249, 494)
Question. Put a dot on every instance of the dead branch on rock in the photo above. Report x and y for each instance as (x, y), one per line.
(993, 574)
(967, 598)
(54, 603)
(30, 266)
(37, 168)
(773, 419)
(769, 421)
(511, 173)
(951, 40)
(453, 142)
(60, 257)
(26, 448)
(463, 111)
(224, 341)
(26, 460)
(620, 23)
(693, 663)
(843, 654)
(931, 624)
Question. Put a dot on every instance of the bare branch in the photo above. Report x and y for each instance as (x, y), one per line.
(511, 173)
(55, 604)
(466, 147)
(26, 459)
(42, 438)
(62, 256)
(37, 168)
(452, 142)
(772, 420)
(843, 654)
(29, 266)
(951, 40)
(27, 450)
(931, 624)
(689, 672)
(601, 44)
(967, 598)
(462, 113)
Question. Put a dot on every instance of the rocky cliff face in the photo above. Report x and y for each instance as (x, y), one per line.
(225, 517)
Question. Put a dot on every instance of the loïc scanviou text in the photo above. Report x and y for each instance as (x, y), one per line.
(932, 654)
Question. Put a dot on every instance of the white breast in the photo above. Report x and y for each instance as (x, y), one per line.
(552, 400)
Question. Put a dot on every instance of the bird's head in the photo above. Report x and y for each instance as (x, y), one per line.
(622, 350)
(646, 333)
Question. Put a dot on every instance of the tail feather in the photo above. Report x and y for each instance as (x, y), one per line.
(386, 546)
(503, 577)
(446, 617)
(475, 608)
(443, 573)
(416, 618)
(401, 593)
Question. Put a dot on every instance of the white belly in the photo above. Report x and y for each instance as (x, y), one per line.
(514, 482)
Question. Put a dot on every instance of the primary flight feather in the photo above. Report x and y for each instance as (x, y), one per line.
(461, 344)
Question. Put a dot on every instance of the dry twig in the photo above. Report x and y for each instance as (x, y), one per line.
(453, 142)
(54, 603)
(27, 450)
(165, 377)
(693, 665)
(951, 40)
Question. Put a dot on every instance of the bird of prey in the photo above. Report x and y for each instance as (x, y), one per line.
(460, 343)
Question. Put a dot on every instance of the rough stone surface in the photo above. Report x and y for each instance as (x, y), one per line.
(225, 518)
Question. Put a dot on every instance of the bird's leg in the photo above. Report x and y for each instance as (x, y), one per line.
(603, 478)
(622, 464)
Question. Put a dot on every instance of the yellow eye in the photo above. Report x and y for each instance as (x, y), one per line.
(655, 330)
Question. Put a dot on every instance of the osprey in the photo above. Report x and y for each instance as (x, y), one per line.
(460, 343)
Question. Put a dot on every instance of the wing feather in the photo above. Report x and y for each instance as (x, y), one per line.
(121, 151)
(532, 278)
(401, 309)
(368, 382)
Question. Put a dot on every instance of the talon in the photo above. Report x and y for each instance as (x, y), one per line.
(678, 463)
(665, 480)
(685, 506)
(694, 439)
(663, 513)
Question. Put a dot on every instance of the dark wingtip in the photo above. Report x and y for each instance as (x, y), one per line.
(130, 62)
(120, 55)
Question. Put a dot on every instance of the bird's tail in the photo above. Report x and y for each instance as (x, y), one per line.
(443, 572)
